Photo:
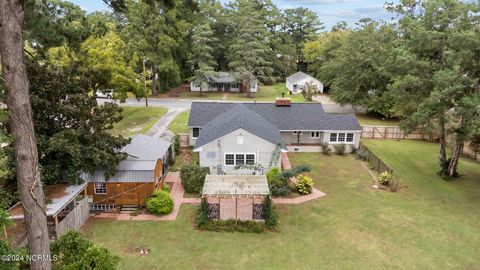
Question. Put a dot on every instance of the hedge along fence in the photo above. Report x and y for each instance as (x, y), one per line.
(376, 163)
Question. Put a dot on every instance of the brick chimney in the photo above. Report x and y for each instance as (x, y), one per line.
(283, 102)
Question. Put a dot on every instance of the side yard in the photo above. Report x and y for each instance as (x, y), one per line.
(137, 120)
(179, 124)
(430, 224)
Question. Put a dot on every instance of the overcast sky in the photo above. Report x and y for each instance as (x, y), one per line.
(329, 11)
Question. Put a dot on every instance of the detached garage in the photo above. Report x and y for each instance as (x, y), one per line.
(296, 83)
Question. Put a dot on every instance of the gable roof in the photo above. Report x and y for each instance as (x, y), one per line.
(143, 147)
(298, 116)
(297, 77)
(143, 152)
(238, 116)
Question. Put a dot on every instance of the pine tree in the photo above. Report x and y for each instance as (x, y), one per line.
(201, 58)
(249, 49)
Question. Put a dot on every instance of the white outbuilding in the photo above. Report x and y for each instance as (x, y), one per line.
(296, 83)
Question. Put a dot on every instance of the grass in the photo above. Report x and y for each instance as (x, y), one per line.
(137, 120)
(265, 93)
(368, 119)
(179, 124)
(431, 224)
(186, 156)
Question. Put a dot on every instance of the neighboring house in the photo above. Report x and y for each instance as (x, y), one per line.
(137, 177)
(225, 82)
(230, 134)
(296, 83)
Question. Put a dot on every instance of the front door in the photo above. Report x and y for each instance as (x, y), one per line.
(130, 193)
(227, 87)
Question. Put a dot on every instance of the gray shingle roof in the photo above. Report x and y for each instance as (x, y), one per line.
(299, 116)
(297, 77)
(238, 116)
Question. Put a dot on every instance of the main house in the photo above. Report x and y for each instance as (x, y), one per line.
(137, 177)
(225, 82)
(231, 134)
(297, 82)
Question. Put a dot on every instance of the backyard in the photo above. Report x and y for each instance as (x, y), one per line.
(430, 224)
(137, 120)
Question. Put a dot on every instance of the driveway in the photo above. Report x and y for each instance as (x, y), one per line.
(160, 129)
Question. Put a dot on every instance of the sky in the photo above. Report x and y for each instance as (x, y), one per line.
(329, 11)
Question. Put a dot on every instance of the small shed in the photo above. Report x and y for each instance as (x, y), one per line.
(297, 82)
(66, 208)
(235, 196)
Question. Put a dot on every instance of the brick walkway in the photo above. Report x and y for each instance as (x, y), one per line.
(177, 193)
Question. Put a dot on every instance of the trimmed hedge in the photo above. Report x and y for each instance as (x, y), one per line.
(232, 225)
(160, 203)
(193, 178)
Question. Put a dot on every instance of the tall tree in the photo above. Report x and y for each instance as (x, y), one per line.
(249, 48)
(202, 59)
(15, 80)
(300, 24)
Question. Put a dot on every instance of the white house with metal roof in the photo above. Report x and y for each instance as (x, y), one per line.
(231, 134)
(297, 82)
(224, 82)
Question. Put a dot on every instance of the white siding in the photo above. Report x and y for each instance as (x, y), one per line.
(356, 139)
(289, 86)
(212, 155)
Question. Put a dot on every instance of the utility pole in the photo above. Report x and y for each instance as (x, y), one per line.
(145, 82)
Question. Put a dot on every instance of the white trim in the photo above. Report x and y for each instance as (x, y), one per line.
(315, 133)
(349, 131)
(95, 188)
(340, 142)
(235, 158)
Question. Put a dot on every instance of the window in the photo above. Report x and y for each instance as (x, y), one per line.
(100, 187)
(349, 137)
(195, 132)
(315, 135)
(239, 159)
(250, 160)
(229, 159)
(333, 137)
(341, 137)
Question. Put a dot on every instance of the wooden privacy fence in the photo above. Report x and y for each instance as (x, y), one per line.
(395, 132)
(376, 163)
(75, 219)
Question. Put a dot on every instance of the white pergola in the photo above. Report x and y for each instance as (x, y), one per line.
(235, 186)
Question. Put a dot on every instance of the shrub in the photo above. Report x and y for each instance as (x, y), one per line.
(362, 155)
(385, 178)
(232, 225)
(340, 149)
(304, 184)
(74, 251)
(353, 149)
(272, 174)
(280, 190)
(269, 214)
(202, 216)
(166, 188)
(176, 144)
(193, 178)
(160, 203)
(325, 149)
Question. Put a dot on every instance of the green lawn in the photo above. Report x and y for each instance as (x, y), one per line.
(137, 120)
(265, 93)
(431, 224)
(179, 124)
(367, 119)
